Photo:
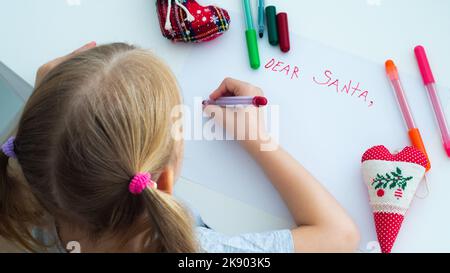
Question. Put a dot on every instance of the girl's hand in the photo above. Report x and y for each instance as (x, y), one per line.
(44, 69)
(323, 225)
(233, 87)
(246, 124)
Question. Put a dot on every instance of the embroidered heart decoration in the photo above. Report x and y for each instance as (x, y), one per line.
(392, 181)
(188, 21)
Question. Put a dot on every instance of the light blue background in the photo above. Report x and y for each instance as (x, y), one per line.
(10, 105)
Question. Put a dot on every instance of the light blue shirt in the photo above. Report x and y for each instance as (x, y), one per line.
(211, 241)
(267, 242)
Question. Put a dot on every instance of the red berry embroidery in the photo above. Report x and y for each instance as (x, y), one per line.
(380, 193)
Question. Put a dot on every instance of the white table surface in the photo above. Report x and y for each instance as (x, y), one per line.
(33, 32)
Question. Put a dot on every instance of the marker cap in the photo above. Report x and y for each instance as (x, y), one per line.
(391, 70)
(259, 101)
(424, 65)
(252, 47)
(272, 29)
(416, 141)
(447, 148)
(283, 31)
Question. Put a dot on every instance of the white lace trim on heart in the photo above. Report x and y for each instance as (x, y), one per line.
(388, 208)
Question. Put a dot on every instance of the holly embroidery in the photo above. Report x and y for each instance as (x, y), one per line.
(393, 179)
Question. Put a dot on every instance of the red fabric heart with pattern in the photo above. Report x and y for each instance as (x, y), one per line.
(408, 154)
(392, 181)
(188, 21)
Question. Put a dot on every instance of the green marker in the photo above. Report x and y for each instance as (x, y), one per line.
(272, 26)
(250, 35)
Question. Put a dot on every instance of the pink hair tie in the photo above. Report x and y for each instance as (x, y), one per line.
(139, 182)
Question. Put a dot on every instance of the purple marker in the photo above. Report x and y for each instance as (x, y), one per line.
(257, 101)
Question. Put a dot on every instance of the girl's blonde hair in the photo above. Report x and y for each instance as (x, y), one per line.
(92, 123)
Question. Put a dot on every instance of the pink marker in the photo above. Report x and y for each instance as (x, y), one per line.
(257, 101)
(428, 80)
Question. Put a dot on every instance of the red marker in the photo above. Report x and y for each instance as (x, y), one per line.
(283, 31)
(257, 101)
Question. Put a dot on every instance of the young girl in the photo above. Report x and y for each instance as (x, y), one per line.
(93, 161)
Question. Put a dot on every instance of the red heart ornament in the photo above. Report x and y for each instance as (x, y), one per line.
(392, 181)
(188, 21)
(408, 154)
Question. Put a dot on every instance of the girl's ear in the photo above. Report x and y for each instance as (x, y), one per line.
(166, 180)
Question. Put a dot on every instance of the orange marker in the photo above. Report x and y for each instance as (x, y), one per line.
(413, 132)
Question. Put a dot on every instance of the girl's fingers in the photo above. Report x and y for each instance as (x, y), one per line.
(78, 51)
(230, 86)
(43, 70)
(233, 87)
(217, 113)
(74, 53)
(85, 47)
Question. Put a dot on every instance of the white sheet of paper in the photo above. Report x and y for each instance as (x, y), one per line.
(323, 127)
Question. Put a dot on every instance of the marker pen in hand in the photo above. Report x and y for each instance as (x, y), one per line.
(257, 101)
